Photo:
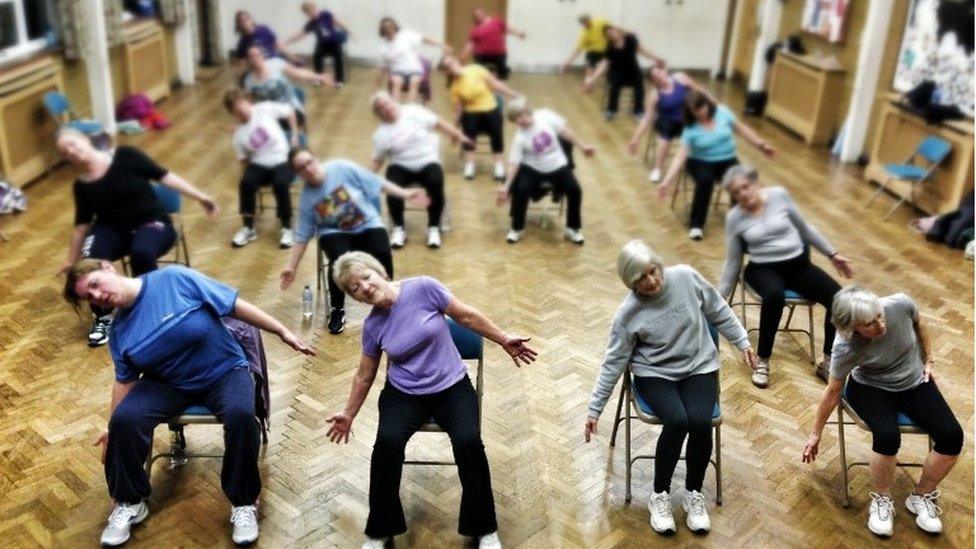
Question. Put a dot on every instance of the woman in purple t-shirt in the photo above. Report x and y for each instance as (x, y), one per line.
(252, 34)
(426, 379)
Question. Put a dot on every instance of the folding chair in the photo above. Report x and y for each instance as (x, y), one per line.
(59, 108)
(934, 150)
(546, 208)
(638, 408)
(905, 427)
(172, 203)
(684, 185)
(471, 347)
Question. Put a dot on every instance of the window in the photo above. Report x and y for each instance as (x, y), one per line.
(26, 26)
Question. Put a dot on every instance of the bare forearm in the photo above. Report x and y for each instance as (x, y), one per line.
(360, 389)
(476, 320)
(749, 134)
(830, 400)
(449, 129)
(677, 164)
(393, 189)
(183, 186)
(570, 135)
(297, 251)
(499, 86)
(256, 317)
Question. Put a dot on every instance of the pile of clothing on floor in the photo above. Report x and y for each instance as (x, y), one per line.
(954, 229)
(136, 113)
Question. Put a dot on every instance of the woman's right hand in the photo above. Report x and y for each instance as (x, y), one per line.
(812, 448)
(501, 195)
(341, 427)
(287, 276)
(102, 440)
(749, 357)
(632, 147)
(418, 197)
(589, 430)
(664, 189)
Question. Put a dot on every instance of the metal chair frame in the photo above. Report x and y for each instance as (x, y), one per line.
(934, 161)
(180, 247)
(683, 187)
(791, 305)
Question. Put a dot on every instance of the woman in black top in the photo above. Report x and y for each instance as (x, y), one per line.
(622, 69)
(117, 213)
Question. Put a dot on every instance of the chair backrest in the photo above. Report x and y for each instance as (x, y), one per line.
(933, 149)
(56, 104)
(168, 198)
(469, 344)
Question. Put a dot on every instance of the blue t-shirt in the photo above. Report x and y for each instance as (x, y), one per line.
(715, 144)
(347, 202)
(173, 331)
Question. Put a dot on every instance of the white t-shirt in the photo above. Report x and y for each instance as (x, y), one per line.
(261, 140)
(538, 146)
(400, 54)
(411, 141)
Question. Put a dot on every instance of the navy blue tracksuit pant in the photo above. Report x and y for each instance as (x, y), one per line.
(151, 402)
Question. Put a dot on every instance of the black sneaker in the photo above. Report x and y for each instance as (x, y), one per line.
(337, 320)
(98, 335)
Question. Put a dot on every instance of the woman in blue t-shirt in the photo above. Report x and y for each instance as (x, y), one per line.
(707, 150)
(172, 351)
(425, 380)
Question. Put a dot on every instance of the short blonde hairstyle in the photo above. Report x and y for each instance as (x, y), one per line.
(516, 107)
(351, 263)
(634, 259)
(854, 306)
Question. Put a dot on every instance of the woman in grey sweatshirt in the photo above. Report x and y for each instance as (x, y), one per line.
(661, 332)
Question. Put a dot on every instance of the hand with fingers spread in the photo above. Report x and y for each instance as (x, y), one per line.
(341, 427)
(517, 349)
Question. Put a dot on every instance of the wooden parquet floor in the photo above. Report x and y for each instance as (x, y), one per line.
(551, 489)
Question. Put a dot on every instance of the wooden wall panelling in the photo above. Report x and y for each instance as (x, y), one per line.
(144, 61)
(802, 95)
(26, 128)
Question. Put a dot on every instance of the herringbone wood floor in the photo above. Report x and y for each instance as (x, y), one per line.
(551, 489)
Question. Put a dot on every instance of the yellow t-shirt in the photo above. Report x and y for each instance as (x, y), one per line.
(592, 38)
(471, 90)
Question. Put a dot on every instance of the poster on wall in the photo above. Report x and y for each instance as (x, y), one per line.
(825, 18)
(938, 46)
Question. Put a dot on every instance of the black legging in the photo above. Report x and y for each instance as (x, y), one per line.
(705, 174)
(685, 406)
(255, 176)
(617, 83)
(333, 50)
(771, 280)
(924, 405)
(490, 122)
(431, 178)
(375, 242)
(496, 63)
(527, 186)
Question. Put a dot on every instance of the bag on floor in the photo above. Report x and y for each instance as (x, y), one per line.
(12, 199)
(955, 229)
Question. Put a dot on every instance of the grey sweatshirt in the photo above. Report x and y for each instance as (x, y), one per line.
(666, 335)
(777, 234)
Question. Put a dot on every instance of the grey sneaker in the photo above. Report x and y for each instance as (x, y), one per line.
(98, 335)
(243, 236)
(245, 521)
(121, 521)
(760, 377)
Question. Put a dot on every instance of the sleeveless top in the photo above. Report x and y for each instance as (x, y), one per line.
(670, 105)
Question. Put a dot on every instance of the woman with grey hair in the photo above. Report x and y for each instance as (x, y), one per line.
(660, 332)
(425, 379)
(884, 348)
(766, 224)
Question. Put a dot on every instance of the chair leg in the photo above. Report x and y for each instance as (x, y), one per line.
(149, 458)
(186, 249)
(177, 442)
(842, 445)
(718, 464)
(630, 464)
(898, 203)
(880, 189)
(616, 418)
(813, 347)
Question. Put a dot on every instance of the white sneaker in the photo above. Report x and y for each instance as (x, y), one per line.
(694, 505)
(662, 521)
(469, 171)
(881, 515)
(654, 176)
(574, 235)
(696, 234)
(373, 543)
(926, 509)
(121, 521)
(245, 521)
(243, 236)
(98, 335)
(287, 239)
(490, 541)
(398, 237)
(499, 172)
(760, 377)
(513, 236)
(433, 237)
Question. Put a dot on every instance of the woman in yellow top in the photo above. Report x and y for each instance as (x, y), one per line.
(473, 91)
(593, 41)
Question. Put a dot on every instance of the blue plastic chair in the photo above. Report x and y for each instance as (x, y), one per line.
(905, 426)
(59, 108)
(638, 408)
(933, 150)
(172, 203)
(471, 347)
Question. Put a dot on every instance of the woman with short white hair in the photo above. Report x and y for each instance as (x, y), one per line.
(426, 379)
(882, 346)
(660, 333)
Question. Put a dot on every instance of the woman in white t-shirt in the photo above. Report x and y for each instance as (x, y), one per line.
(401, 67)
(407, 138)
(537, 156)
(269, 80)
(262, 147)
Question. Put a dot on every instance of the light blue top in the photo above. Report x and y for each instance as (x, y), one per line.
(348, 201)
(715, 144)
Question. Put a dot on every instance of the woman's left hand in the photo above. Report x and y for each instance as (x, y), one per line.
(516, 348)
(588, 151)
(292, 341)
(928, 375)
(418, 197)
(209, 206)
(749, 357)
(843, 265)
(767, 149)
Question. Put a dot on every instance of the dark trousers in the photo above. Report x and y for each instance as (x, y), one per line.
(496, 63)
(705, 174)
(455, 410)
(924, 405)
(771, 280)
(333, 50)
(431, 178)
(527, 185)
(144, 245)
(617, 83)
(375, 242)
(256, 176)
(685, 407)
(475, 123)
(151, 402)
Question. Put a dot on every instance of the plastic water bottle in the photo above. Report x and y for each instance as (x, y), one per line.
(307, 309)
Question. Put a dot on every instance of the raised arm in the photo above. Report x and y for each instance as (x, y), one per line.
(515, 32)
(342, 421)
(466, 51)
(186, 188)
(641, 50)
(437, 44)
(305, 75)
(297, 36)
(499, 86)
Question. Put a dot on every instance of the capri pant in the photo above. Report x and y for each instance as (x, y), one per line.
(431, 178)
(490, 122)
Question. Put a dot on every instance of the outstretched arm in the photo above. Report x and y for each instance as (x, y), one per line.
(186, 188)
(472, 318)
(254, 316)
(499, 86)
(342, 422)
